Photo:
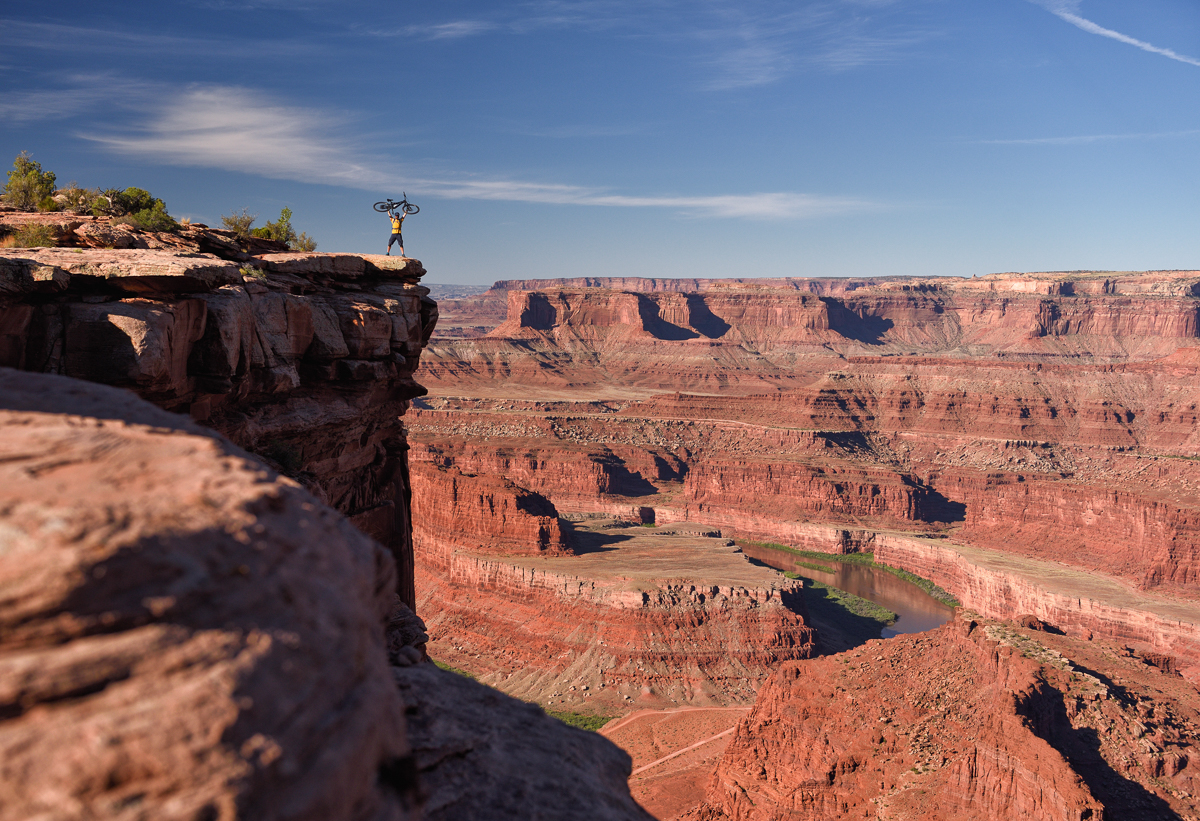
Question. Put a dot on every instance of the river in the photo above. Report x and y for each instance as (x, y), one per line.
(917, 610)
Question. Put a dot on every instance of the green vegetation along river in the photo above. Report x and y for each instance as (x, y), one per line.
(916, 610)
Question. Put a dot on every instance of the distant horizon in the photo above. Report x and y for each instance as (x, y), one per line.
(562, 138)
(439, 284)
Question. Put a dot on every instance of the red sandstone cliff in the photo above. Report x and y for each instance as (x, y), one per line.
(1052, 417)
(305, 359)
(967, 722)
(487, 513)
(536, 633)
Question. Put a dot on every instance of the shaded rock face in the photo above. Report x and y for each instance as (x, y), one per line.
(970, 721)
(488, 513)
(304, 358)
(185, 634)
(481, 755)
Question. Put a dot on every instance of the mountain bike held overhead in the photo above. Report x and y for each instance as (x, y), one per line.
(397, 211)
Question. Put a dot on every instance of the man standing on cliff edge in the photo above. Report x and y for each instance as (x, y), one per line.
(397, 217)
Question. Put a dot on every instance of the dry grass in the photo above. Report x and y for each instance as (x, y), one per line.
(31, 236)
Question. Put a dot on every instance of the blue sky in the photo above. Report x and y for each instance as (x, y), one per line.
(656, 138)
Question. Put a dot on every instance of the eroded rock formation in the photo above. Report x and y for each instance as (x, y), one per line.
(305, 359)
(626, 621)
(185, 633)
(971, 721)
(488, 512)
(1047, 417)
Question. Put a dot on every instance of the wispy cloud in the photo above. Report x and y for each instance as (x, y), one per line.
(567, 132)
(1083, 139)
(80, 95)
(240, 129)
(743, 44)
(452, 30)
(20, 34)
(767, 205)
(58, 104)
(1069, 10)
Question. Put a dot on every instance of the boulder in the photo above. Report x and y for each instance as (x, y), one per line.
(185, 634)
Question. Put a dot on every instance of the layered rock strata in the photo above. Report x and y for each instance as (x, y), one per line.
(971, 721)
(1050, 417)
(653, 618)
(305, 359)
(186, 634)
(486, 512)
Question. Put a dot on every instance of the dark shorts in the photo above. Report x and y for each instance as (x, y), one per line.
(396, 238)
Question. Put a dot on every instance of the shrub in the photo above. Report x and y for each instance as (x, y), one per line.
(304, 243)
(281, 231)
(154, 218)
(31, 236)
(136, 207)
(48, 205)
(584, 721)
(77, 200)
(28, 185)
(239, 222)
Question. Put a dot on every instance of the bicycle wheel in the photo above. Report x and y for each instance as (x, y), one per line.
(384, 207)
(410, 209)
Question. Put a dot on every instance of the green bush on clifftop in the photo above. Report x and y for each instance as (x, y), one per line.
(281, 231)
(239, 222)
(28, 185)
(136, 207)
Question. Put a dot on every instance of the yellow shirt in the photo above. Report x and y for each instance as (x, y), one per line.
(396, 223)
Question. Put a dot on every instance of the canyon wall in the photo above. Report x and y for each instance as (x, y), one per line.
(969, 721)
(1050, 417)
(305, 359)
(485, 512)
(596, 623)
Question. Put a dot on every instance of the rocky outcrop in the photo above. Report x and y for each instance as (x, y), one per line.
(480, 755)
(486, 513)
(304, 359)
(538, 633)
(970, 721)
(186, 634)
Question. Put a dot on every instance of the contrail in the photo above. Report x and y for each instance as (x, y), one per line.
(1066, 11)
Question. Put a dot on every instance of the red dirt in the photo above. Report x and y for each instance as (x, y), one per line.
(693, 737)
